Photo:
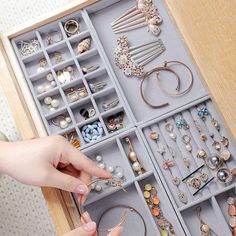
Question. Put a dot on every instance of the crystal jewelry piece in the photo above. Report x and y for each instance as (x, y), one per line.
(225, 155)
(53, 104)
(71, 27)
(144, 13)
(153, 202)
(203, 113)
(61, 121)
(57, 57)
(154, 135)
(95, 87)
(132, 155)
(132, 59)
(111, 104)
(71, 138)
(186, 140)
(87, 113)
(54, 37)
(161, 149)
(76, 94)
(195, 182)
(29, 47)
(115, 122)
(216, 145)
(201, 154)
(216, 124)
(92, 132)
(167, 164)
(203, 136)
(84, 45)
(88, 69)
(182, 123)
(42, 65)
(204, 228)
(170, 128)
(225, 141)
(176, 180)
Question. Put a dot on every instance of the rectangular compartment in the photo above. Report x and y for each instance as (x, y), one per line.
(104, 13)
(130, 199)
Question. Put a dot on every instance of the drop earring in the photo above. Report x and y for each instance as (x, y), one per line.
(170, 128)
(132, 155)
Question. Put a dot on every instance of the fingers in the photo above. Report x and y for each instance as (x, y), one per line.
(81, 162)
(85, 178)
(116, 231)
(88, 229)
(66, 182)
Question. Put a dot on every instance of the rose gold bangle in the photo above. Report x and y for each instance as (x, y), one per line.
(167, 65)
(147, 74)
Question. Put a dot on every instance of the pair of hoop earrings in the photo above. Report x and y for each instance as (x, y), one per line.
(166, 68)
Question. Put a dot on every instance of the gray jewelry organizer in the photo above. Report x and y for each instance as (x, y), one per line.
(139, 119)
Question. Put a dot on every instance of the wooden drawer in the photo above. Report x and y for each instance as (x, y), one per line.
(207, 27)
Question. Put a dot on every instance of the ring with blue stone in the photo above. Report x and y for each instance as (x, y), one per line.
(203, 113)
(182, 123)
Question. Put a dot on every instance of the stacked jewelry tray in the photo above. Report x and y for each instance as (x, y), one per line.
(166, 152)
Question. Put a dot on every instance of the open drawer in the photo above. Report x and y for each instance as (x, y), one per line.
(37, 79)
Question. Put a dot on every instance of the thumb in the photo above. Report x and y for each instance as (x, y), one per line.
(88, 229)
(66, 182)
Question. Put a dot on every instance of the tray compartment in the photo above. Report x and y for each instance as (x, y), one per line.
(107, 12)
(131, 199)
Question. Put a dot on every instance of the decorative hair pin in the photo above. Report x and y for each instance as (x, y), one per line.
(144, 13)
(131, 59)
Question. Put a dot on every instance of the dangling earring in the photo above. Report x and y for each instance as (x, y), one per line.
(204, 228)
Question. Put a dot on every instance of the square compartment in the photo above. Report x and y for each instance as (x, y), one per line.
(64, 54)
(87, 107)
(27, 38)
(97, 77)
(78, 18)
(67, 77)
(57, 100)
(57, 117)
(74, 97)
(108, 96)
(34, 68)
(93, 123)
(74, 41)
(118, 117)
(52, 31)
(130, 198)
(42, 85)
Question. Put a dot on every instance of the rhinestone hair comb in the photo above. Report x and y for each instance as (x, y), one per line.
(144, 13)
(132, 59)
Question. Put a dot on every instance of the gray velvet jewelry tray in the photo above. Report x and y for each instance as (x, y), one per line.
(139, 119)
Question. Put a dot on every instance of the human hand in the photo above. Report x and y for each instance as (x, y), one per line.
(50, 161)
(88, 228)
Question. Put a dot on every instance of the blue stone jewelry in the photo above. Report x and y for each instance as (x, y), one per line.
(182, 123)
(203, 113)
(92, 132)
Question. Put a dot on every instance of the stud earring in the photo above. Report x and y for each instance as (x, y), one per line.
(44, 88)
(51, 103)
(170, 128)
(182, 123)
(132, 155)
(76, 94)
(154, 135)
(203, 113)
(61, 121)
(186, 140)
(203, 136)
(57, 57)
(42, 65)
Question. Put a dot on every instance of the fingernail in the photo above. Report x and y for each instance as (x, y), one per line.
(82, 189)
(91, 226)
